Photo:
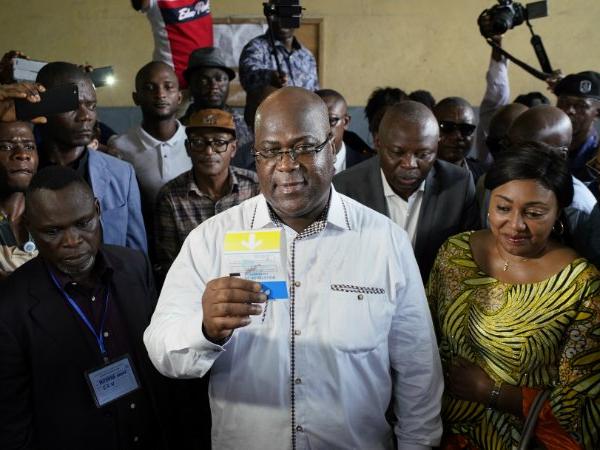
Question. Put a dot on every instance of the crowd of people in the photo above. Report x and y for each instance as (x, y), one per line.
(442, 285)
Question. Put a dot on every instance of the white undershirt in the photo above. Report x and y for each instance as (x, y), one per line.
(404, 213)
(340, 159)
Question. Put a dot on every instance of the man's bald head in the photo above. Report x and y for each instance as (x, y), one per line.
(289, 102)
(502, 119)
(146, 72)
(500, 124)
(451, 102)
(543, 123)
(410, 114)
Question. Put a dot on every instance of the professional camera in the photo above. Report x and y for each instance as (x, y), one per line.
(508, 14)
(286, 12)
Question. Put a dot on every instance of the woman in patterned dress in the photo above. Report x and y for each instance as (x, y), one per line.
(517, 312)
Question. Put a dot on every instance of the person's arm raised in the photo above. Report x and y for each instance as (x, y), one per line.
(11, 92)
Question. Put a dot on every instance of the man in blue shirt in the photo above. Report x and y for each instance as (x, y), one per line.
(257, 62)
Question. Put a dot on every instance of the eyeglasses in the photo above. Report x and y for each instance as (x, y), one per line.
(334, 121)
(272, 154)
(217, 145)
(465, 129)
(10, 147)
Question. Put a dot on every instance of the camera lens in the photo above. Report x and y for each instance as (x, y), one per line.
(502, 20)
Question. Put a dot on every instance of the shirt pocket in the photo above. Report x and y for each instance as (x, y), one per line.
(359, 317)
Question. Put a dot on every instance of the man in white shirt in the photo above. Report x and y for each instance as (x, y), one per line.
(339, 119)
(431, 199)
(320, 370)
(156, 148)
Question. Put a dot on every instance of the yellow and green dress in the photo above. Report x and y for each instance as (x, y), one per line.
(543, 335)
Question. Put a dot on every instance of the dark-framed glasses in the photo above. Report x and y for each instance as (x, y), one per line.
(276, 154)
(465, 129)
(217, 145)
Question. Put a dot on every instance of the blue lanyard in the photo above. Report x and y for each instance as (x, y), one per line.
(99, 336)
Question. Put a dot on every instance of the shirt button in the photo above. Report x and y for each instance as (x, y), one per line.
(106, 334)
(297, 283)
(360, 296)
(297, 332)
(298, 380)
(132, 406)
(299, 429)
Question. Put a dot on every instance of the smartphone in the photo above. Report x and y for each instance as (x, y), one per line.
(102, 76)
(56, 100)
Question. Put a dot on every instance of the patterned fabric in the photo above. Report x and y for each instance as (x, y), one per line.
(257, 62)
(543, 335)
(181, 207)
(359, 289)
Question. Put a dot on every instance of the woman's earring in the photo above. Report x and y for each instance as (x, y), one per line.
(559, 230)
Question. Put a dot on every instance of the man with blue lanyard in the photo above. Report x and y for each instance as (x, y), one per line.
(73, 370)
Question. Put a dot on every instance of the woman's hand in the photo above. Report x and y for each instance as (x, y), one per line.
(468, 381)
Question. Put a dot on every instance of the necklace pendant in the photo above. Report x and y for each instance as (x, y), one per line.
(505, 266)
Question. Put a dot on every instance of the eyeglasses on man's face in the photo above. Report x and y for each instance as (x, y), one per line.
(272, 154)
(217, 145)
(465, 129)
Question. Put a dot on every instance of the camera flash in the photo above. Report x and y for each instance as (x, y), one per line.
(110, 80)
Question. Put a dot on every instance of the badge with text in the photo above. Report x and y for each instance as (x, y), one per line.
(112, 381)
(258, 255)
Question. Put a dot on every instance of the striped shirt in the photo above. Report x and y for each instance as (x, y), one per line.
(181, 207)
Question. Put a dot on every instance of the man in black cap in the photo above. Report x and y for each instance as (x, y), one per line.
(579, 97)
(208, 78)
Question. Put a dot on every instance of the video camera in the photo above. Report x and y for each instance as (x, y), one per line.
(508, 14)
(286, 12)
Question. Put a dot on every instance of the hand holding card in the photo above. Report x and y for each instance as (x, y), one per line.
(227, 304)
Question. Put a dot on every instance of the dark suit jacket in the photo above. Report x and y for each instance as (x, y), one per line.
(45, 402)
(448, 207)
(357, 150)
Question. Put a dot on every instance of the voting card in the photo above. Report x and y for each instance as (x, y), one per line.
(258, 255)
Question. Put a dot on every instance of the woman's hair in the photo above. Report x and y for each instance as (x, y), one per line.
(533, 161)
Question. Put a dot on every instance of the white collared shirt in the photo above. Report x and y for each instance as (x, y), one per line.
(155, 162)
(404, 213)
(361, 327)
(340, 159)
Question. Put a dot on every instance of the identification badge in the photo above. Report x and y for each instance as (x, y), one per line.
(258, 255)
(112, 381)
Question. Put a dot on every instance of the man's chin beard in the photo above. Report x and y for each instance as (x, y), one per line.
(75, 272)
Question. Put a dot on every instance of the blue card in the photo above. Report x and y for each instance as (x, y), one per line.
(112, 381)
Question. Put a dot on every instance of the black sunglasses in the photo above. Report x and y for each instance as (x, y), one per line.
(466, 129)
